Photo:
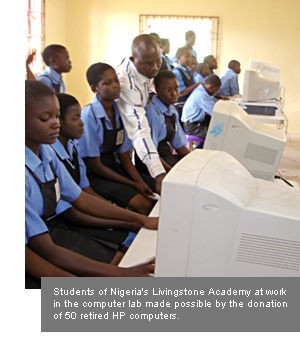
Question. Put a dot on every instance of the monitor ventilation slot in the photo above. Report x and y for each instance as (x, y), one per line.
(260, 153)
(268, 251)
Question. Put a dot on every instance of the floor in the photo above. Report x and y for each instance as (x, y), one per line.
(289, 167)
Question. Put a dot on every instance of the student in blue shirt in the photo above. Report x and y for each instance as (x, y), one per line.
(166, 131)
(106, 147)
(57, 59)
(201, 73)
(198, 108)
(186, 83)
(230, 83)
(212, 63)
(67, 150)
(47, 181)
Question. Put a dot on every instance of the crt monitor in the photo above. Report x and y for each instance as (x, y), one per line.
(257, 146)
(217, 220)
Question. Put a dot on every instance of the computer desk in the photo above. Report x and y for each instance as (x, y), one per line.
(143, 248)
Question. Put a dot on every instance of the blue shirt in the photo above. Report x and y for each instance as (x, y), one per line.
(34, 202)
(230, 84)
(54, 78)
(181, 84)
(198, 78)
(198, 103)
(68, 155)
(155, 111)
(92, 141)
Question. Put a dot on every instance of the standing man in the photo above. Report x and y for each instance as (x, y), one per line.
(135, 74)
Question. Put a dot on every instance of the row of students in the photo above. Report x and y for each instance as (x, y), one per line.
(50, 191)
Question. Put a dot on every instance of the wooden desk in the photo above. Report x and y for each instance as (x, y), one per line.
(143, 248)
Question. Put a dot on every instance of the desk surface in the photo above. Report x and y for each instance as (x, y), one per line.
(143, 248)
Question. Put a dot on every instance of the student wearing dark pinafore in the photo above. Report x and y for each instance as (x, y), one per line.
(166, 131)
(67, 150)
(47, 182)
(184, 76)
(106, 148)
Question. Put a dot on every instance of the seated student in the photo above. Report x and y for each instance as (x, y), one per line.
(165, 49)
(198, 108)
(106, 148)
(230, 83)
(164, 122)
(212, 63)
(57, 60)
(201, 73)
(184, 76)
(67, 150)
(47, 181)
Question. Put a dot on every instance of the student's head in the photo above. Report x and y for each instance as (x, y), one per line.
(211, 61)
(203, 69)
(146, 55)
(71, 125)
(57, 57)
(235, 66)
(193, 64)
(103, 81)
(166, 86)
(41, 114)
(190, 38)
(165, 45)
(212, 84)
(184, 56)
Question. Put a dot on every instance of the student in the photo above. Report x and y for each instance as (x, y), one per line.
(184, 76)
(67, 150)
(47, 180)
(106, 139)
(164, 122)
(230, 83)
(212, 63)
(57, 59)
(198, 108)
(201, 73)
(190, 39)
(165, 49)
(135, 74)
(28, 62)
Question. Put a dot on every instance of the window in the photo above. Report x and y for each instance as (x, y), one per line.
(175, 27)
(36, 32)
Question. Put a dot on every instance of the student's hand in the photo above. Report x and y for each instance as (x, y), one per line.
(143, 270)
(143, 188)
(159, 179)
(150, 222)
(30, 57)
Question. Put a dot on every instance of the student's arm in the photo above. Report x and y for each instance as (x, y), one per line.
(95, 207)
(166, 166)
(76, 217)
(182, 151)
(140, 184)
(80, 265)
(89, 190)
(29, 73)
(189, 89)
(38, 267)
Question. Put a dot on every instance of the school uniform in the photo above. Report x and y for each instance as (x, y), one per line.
(198, 78)
(75, 165)
(197, 112)
(230, 84)
(100, 139)
(47, 183)
(52, 79)
(165, 129)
